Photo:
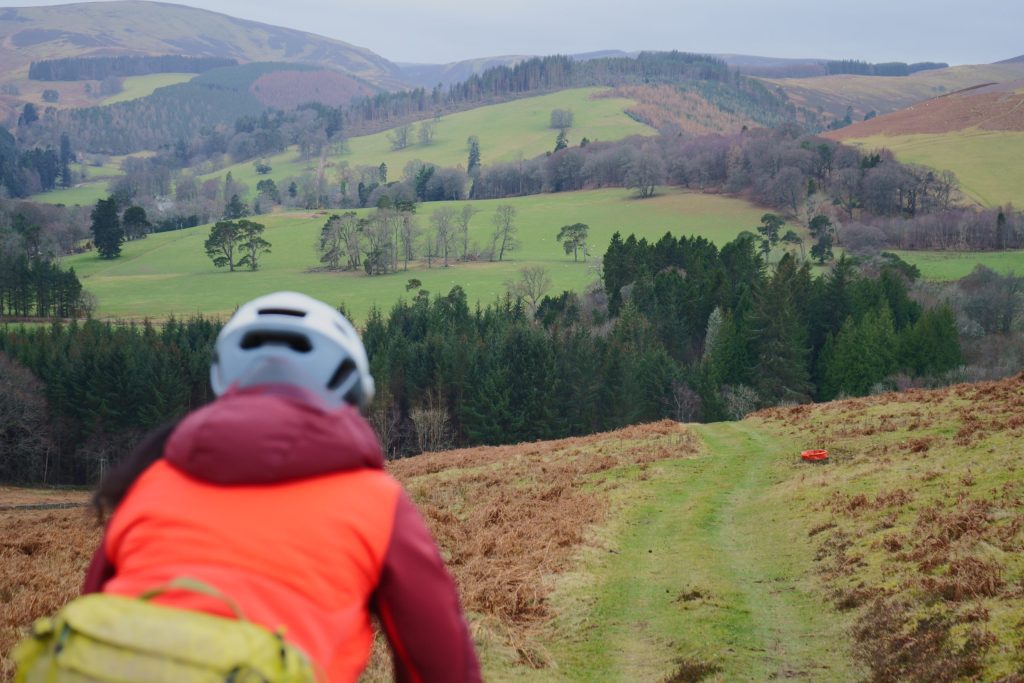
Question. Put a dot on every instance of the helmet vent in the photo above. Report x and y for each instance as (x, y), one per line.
(296, 342)
(346, 368)
(283, 311)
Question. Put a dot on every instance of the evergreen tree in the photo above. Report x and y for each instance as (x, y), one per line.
(235, 209)
(473, 160)
(562, 141)
(251, 243)
(222, 244)
(135, 222)
(106, 228)
(769, 231)
(780, 338)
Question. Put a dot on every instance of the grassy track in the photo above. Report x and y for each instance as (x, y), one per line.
(708, 566)
(987, 163)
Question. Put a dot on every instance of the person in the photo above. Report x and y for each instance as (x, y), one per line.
(275, 495)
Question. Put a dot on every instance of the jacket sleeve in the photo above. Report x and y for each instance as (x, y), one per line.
(100, 570)
(419, 607)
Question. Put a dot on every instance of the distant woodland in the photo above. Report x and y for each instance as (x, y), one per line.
(121, 66)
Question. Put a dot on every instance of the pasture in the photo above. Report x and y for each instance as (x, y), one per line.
(508, 131)
(170, 273)
(137, 87)
(987, 163)
(945, 266)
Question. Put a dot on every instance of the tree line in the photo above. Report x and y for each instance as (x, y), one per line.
(861, 68)
(37, 288)
(98, 388)
(679, 329)
(120, 66)
(26, 170)
(32, 283)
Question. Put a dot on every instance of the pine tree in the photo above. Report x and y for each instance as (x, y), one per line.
(106, 228)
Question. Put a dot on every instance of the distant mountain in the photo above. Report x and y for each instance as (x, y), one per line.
(138, 27)
(1012, 60)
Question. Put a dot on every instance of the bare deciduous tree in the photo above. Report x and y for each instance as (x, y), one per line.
(443, 222)
(433, 425)
(399, 137)
(465, 216)
(533, 283)
(504, 237)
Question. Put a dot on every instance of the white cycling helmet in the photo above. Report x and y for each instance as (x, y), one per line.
(294, 339)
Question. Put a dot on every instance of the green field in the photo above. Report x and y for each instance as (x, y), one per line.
(169, 273)
(953, 265)
(506, 131)
(137, 87)
(87, 192)
(517, 129)
(987, 163)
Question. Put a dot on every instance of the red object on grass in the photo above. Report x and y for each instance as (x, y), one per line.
(815, 455)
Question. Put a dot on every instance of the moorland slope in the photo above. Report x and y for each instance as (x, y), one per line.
(155, 28)
(710, 552)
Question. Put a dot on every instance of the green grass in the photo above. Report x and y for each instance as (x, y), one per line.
(987, 163)
(84, 194)
(757, 565)
(136, 87)
(169, 273)
(506, 131)
(952, 265)
(94, 187)
(708, 562)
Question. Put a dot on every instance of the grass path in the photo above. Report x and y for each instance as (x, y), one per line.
(708, 571)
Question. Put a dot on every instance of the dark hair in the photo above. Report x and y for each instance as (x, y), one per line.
(113, 487)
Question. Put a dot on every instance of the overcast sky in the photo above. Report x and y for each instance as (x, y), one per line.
(438, 31)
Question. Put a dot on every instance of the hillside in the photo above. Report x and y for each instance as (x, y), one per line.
(139, 27)
(169, 273)
(976, 133)
(703, 552)
(994, 106)
(883, 94)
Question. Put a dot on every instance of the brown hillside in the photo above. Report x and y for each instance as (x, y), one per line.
(506, 518)
(662, 105)
(134, 27)
(287, 89)
(988, 107)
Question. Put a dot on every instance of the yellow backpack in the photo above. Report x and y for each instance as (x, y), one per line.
(113, 639)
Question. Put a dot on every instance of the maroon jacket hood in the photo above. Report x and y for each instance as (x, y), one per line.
(268, 434)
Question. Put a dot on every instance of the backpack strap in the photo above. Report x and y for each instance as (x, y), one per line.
(186, 584)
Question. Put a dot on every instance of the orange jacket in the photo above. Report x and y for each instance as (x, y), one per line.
(311, 554)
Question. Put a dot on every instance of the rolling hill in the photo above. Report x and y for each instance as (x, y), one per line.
(883, 94)
(977, 133)
(169, 273)
(137, 27)
(670, 552)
